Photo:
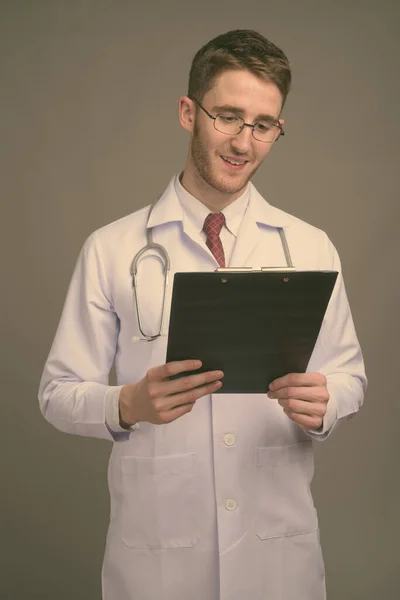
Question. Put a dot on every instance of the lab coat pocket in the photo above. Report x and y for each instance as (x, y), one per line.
(284, 505)
(160, 501)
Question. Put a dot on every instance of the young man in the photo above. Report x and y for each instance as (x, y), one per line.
(210, 494)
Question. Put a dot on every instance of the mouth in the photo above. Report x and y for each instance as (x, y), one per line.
(234, 164)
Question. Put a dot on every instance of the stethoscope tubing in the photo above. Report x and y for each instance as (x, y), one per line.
(164, 259)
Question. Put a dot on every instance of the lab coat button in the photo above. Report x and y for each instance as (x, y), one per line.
(230, 504)
(229, 439)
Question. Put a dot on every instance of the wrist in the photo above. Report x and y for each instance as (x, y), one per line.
(126, 419)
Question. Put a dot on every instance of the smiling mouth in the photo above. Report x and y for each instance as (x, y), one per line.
(234, 163)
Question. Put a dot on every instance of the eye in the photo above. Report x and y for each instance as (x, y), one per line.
(264, 126)
(229, 118)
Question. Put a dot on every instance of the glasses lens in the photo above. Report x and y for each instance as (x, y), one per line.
(229, 124)
(265, 131)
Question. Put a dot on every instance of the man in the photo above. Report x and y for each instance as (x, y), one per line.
(210, 494)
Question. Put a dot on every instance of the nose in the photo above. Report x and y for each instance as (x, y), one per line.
(242, 141)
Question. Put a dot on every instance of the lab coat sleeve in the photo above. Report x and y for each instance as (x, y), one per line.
(112, 412)
(74, 386)
(338, 356)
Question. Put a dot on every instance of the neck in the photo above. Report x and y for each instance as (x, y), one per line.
(213, 199)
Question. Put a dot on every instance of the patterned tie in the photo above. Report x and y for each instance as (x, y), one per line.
(212, 226)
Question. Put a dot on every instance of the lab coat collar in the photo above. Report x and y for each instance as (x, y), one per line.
(168, 209)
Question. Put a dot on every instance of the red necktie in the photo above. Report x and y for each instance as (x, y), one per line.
(212, 226)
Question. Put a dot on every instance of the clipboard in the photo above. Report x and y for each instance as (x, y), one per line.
(254, 325)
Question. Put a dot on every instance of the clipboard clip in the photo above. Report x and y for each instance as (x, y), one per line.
(254, 269)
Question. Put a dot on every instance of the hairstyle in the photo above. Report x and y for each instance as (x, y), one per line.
(237, 50)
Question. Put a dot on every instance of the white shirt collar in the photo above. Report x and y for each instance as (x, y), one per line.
(196, 211)
(168, 209)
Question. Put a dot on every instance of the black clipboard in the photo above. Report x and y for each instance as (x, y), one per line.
(254, 326)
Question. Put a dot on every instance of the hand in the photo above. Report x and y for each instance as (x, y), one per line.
(158, 399)
(303, 396)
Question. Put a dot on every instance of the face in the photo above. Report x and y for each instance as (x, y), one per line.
(211, 150)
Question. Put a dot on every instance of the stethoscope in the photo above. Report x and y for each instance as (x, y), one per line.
(163, 258)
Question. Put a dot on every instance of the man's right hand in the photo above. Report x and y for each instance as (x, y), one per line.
(159, 400)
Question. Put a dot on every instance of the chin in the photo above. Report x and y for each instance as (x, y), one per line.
(229, 186)
(231, 189)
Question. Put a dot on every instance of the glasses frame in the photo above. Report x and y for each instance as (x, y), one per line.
(252, 125)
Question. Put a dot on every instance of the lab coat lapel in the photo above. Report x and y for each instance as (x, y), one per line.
(168, 209)
(246, 241)
(258, 213)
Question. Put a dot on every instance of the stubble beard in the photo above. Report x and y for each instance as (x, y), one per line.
(203, 166)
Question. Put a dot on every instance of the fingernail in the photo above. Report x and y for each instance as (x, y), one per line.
(218, 384)
(219, 373)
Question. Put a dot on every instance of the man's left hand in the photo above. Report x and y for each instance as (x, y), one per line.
(303, 396)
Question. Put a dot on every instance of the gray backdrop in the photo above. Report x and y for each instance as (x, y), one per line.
(89, 133)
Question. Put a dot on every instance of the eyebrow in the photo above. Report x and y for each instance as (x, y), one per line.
(240, 111)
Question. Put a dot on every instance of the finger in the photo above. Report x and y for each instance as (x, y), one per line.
(298, 380)
(304, 408)
(310, 394)
(183, 384)
(163, 372)
(305, 421)
(171, 415)
(170, 402)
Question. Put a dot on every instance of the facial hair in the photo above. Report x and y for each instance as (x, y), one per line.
(206, 171)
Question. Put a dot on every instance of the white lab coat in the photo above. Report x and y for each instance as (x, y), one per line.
(217, 504)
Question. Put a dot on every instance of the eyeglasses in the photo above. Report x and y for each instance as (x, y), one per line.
(230, 124)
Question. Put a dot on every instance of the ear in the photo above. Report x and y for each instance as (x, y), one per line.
(281, 123)
(187, 113)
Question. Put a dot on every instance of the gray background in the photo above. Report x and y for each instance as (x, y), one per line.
(89, 133)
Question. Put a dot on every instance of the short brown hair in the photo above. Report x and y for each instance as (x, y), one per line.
(236, 50)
